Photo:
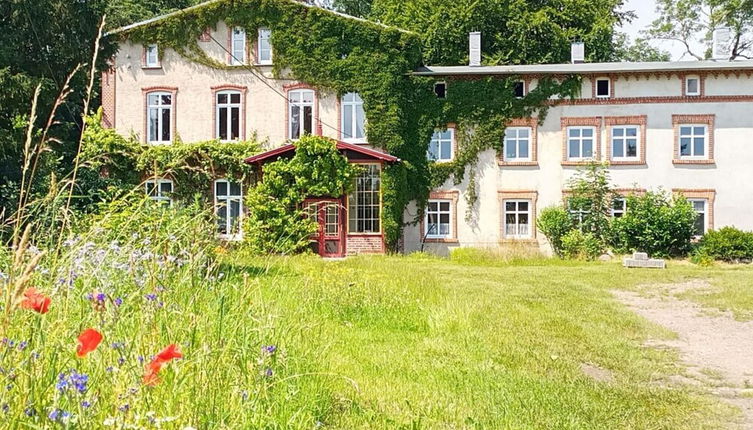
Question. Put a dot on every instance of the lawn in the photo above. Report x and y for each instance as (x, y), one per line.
(367, 342)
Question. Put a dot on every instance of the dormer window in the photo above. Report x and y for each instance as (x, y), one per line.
(692, 86)
(440, 89)
(519, 89)
(603, 88)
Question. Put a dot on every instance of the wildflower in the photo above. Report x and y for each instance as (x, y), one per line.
(72, 381)
(86, 404)
(30, 411)
(88, 341)
(22, 345)
(59, 415)
(124, 408)
(151, 297)
(5, 407)
(151, 376)
(101, 297)
(118, 301)
(268, 373)
(269, 349)
(36, 301)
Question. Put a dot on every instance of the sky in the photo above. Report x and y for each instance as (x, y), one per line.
(646, 13)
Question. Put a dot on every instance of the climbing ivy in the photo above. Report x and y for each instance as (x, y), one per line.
(340, 54)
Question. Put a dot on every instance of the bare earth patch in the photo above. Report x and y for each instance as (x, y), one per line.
(717, 349)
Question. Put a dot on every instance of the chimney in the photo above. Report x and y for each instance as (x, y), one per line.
(722, 43)
(577, 53)
(474, 44)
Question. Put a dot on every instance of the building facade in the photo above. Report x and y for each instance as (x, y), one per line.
(683, 127)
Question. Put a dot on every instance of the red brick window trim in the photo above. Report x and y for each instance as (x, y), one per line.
(678, 121)
(707, 194)
(510, 196)
(532, 124)
(247, 50)
(701, 82)
(613, 122)
(594, 85)
(452, 198)
(567, 123)
(243, 90)
(316, 123)
(173, 91)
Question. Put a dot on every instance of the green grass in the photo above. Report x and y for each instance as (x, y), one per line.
(476, 341)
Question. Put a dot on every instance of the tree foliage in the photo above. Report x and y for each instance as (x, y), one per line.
(590, 200)
(639, 49)
(692, 22)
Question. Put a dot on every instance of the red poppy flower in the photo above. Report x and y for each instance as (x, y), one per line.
(88, 341)
(151, 376)
(35, 301)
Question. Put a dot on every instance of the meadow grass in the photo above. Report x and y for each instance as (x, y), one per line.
(369, 342)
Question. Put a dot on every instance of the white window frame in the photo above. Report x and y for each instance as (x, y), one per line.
(158, 195)
(609, 88)
(226, 200)
(444, 84)
(229, 105)
(264, 46)
(517, 212)
(151, 56)
(372, 173)
(438, 213)
(238, 53)
(523, 85)
(692, 136)
(300, 103)
(704, 212)
(159, 108)
(437, 140)
(516, 141)
(614, 211)
(697, 92)
(580, 140)
(355, 106)
(624, 138)
(577, 214)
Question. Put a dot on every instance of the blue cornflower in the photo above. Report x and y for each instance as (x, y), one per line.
(269, 349)
(9, 387)
(268, 373)
(85, 404)
(141, 358)
(6, 407)
(109, 369)
(117, 345)
(151, 297)
(124, 408)
(118, 301)
(244, 395)
(121, 361)
(22, 345)
(30, 411)
(72, 381)
(101, 297)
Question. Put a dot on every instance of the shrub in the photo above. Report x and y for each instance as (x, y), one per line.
(554, 222)
(727, 244)
(655, 224)
(591, 198)
(581, 246)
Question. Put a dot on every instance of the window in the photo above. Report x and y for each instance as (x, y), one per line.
(517, 143)
(151, 56)
(238, 47)
(159, 113)
(625, 142)
(619, 207)
(517, 218)
(578, 212)
(692, 86)
(353, 118)
(228, 204)
(603, 89)
(440, 146)
(519, 89)
(160, 190)
(264, 46)
(364, 203)
(692, 141)
(228, 115)
(580, 143)
(699, 206)
(301, 113)
(440, 90)
(438, 217)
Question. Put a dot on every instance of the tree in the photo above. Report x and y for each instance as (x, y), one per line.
(124, 12)
(691, 22)
(638, 50)
(513, 32)
(591, 199)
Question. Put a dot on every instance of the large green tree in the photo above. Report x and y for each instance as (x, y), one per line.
(692, 22)
(513, 31)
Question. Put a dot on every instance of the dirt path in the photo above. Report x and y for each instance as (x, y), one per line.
(717, 349)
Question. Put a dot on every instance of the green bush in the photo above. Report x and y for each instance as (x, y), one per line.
(554, 222)
(656, 224)
(581, 246)
(727, 244)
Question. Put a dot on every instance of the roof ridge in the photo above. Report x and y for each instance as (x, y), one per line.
(164, 16)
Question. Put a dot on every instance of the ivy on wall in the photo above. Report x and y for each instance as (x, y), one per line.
(335, 53)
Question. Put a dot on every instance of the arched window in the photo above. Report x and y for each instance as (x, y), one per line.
(353, 119)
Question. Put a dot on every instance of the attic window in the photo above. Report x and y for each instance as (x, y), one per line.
(440, 89)
(692, 86)
(602, 88)
(519, 89)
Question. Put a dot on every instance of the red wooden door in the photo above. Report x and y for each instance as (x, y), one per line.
(329, 240)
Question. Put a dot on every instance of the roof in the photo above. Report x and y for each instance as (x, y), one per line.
(342, 146)
(209, 2)
(587, 68)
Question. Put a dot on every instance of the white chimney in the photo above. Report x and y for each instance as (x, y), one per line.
(722, 44)
(577, 52)
(474, 44)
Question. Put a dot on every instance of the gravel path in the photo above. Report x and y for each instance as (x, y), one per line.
(718, 350)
